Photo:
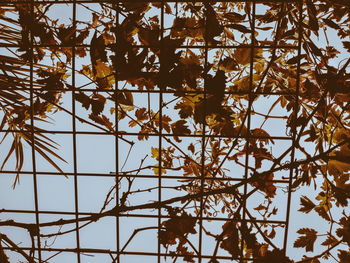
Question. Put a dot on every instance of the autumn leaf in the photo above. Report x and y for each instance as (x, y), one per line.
(344, 230)
(262, 133)
(103, 120)
(177, 227)
(307, 204)
(180, 127)
(158, 171)
(97, 103)
(242, 55)
(263, 184)
(344, 256)
(141, 114)
(102, 69)
(182, 250)
(98, 49)
(230, 238)
(228, 65)
(83, 99)
(325, 200)
(331, 240)
(154, 152)
(240, 28)
(322, 212)
(125, 98)
(307, 239)
(192, 169)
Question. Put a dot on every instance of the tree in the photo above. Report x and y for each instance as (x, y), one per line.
(225, 75)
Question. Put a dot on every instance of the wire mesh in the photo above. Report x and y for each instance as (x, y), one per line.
(104, 161)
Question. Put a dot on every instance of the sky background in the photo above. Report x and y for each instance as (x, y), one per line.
(97, 154)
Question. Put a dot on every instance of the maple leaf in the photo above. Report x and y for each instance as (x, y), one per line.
(331, 240)
(307, 239)
(260, 154)
(344, 230)
(179, 128)
(322, 212)
(307, 204)
(177, 227)
(141, 114)
(216, 85)
(154, 152)
(103, 120)
(165, 121)
(185, 108)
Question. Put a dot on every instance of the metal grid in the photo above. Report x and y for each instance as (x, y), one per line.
(161, 137)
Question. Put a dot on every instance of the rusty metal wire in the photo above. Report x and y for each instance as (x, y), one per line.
(140, 256)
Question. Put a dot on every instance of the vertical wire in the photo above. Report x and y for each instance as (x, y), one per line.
(116, 120)
(203, 170)
(75, 172)
(161, 89)
(32, 132)
(295, 116)
(250, 105)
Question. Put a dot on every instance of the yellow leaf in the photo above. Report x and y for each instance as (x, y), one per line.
(259, 67)
(156, 171)
(243, 83)
(325, 201)
(86, 70)
(154, 152)
(102, 69)
(242, 55)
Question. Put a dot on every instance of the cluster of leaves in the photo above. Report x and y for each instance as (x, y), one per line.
(176, 229)
(214, 90)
